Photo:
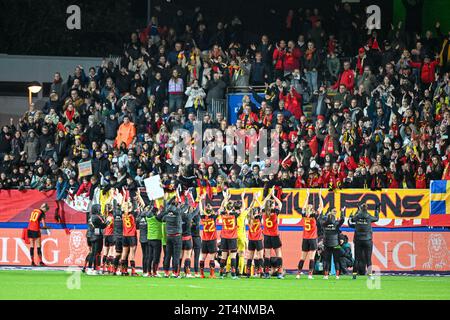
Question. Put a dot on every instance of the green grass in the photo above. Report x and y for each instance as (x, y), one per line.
(53, 285)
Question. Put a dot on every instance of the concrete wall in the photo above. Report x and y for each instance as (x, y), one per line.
(41, 68)
(15, 68)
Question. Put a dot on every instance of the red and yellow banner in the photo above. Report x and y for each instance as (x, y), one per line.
(393, 251)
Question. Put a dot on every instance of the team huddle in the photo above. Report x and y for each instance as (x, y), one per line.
(185, 233)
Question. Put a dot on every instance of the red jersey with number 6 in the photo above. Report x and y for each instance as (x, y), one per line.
(229, 227)
(35, 219)
(309, 228)
(129, 225)
(271, 224)
(254, 230)
(209, 231)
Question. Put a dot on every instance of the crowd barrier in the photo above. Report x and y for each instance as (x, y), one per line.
(393, 251)
(413, 247)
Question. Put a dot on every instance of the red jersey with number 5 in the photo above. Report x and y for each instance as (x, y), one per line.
(129, 225)
(271, 224)
(255, 230)
(309, 228)
(229, 227)
(35, 219)
(209, 231)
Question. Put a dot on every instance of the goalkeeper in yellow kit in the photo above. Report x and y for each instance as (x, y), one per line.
(242, 233)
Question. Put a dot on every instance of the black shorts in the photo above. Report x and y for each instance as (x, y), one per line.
(209, 246)
(309, 245)
(255, 245)
(272, 242)
(129, 241)
(228, 245)
(109, 241)
(33, 234)
(187, 244)
(119, 243)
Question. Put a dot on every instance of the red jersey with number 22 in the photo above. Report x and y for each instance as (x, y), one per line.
(271, 224)
(209, 231)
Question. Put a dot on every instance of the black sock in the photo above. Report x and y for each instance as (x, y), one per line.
(105, 258)
(257, 264)
(32, 253)
(202, 265)
(187, 265)
(223, 262)
(233, 267)
(249, 267)
(300, 265)
(133, 264)
(39, 252)
(116, 262)
(266, 265)
(261, 262)
(311, 266)
(212, 265)
(280, 263)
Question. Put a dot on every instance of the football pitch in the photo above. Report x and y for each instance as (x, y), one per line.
(59, 285)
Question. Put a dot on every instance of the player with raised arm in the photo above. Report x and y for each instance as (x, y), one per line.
(309, 242)
(272, 207)
(96, 224)
(172, 216)
(143, 232)
(228, 235)
(108, 246)
(331, 232)
(129, 237)
(34, 231)
(187, 243)
(362, 222)
(242, 234)
(118, 231)
(209, 237)
(255, 243)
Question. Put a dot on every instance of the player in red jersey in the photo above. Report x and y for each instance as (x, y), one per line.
(255, 244)
(209, 238)
(272, 208)
(228, 235)
(129, 238)
(309, 242)
(34, 231)
(109, 244)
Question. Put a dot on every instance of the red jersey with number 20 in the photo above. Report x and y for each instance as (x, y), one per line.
(129, 225)
(209, 231)
(35, 219)
(271, 224)
(229, 227)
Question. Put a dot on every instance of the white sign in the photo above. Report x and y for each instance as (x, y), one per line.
(153, 187)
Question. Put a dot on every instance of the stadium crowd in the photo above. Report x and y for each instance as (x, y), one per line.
(379, 117)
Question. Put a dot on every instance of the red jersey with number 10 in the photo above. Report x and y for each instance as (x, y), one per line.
(309, 228)
(229, 227)
(271, 224)
(129, 225)
(254, 230)
(35, 219)
(209, 231)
